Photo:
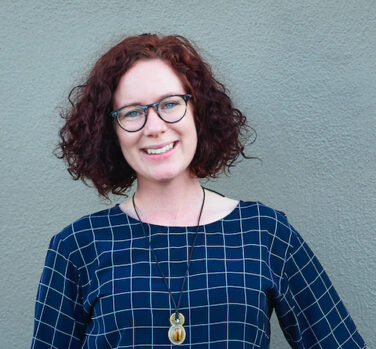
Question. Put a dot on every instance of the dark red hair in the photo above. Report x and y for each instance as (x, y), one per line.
(88, 141)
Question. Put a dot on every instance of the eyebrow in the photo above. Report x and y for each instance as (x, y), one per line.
(158, 100)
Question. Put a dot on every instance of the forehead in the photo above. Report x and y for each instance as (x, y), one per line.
(147, 81)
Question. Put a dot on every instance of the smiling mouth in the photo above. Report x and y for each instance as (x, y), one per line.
(160, 150)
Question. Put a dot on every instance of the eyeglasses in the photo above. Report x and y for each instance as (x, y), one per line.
(171, 109)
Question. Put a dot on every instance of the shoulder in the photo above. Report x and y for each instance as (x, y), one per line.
(82, 231)
(267, 216)
(274, 223)
(276, 235)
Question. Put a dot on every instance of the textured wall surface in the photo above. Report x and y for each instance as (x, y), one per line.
(303, 72)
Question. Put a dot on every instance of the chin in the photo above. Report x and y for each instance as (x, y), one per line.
(169, 175)
(166, 177)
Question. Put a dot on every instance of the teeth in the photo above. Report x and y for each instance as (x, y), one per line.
(160, 150)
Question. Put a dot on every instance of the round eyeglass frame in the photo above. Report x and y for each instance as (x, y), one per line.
(145, 108)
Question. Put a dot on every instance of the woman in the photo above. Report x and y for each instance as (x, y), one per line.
(175, 263)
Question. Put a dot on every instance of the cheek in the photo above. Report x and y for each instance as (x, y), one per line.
(191, 137)
(127, 142)
(118, 133)
(124, 138)
(192, 130)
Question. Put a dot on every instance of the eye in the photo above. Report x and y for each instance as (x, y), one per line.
(131, 113)
(170, 103)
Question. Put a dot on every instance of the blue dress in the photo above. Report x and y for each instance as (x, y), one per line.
(101, 288)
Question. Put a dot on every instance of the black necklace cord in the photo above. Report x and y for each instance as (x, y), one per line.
(191, 252)
(177, 306)
(213, 191)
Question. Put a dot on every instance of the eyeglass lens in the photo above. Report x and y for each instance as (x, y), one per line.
(170, 109)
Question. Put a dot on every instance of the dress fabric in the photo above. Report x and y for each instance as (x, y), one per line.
(101, 288)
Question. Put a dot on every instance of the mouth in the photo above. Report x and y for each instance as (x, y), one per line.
(160, 150)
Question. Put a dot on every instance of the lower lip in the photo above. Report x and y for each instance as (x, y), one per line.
(161, 156)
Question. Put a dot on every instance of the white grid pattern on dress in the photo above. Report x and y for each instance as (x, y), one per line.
(100, 287)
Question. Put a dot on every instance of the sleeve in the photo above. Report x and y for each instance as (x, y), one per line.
(59, 315)
(309, 310)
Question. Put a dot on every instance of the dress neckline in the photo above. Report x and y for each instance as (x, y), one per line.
(230, 216)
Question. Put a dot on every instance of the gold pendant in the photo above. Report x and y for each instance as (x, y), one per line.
(176, 333)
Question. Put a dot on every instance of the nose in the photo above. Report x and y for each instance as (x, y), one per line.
(154, 124)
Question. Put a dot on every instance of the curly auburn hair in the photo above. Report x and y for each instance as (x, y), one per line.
(88, 142)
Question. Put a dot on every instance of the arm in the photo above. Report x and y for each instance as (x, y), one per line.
(309, 310)
(59, 316)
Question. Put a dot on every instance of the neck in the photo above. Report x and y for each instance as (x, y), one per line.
(175, 203)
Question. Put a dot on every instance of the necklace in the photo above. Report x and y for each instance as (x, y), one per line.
(176, 333)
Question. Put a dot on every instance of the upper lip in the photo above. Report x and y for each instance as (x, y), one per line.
(157, 146)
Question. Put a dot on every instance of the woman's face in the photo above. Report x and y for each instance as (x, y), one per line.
(160, 151)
